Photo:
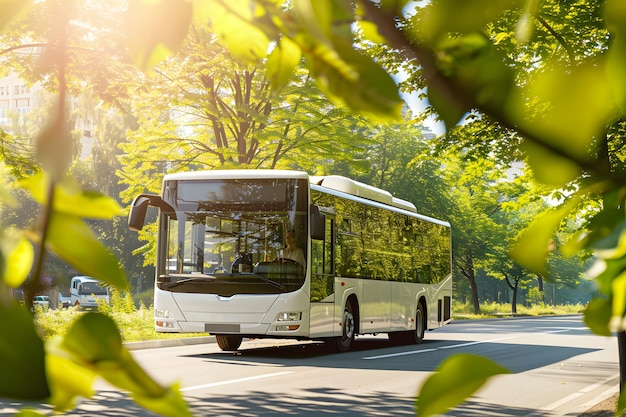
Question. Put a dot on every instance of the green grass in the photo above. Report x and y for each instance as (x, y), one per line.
(466, 311)
(136, 324)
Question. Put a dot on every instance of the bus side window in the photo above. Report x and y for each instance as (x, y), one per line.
(322, 278)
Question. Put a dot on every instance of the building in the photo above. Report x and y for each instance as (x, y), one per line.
(16, 100)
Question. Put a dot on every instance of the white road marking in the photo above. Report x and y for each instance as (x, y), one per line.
(233, 381)
(580, 393)
(415, 352)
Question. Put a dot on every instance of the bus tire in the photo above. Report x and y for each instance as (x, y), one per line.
(416, 336)
(228, 342)
(348, 329)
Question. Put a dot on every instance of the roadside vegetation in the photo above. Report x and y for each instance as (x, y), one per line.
(135, 320)
(490, 310)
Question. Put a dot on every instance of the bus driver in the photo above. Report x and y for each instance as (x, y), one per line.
(292, 251)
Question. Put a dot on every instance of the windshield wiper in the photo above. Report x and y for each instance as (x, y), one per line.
(259, 277)
(213, 278)
(192, 278)
(271, 281)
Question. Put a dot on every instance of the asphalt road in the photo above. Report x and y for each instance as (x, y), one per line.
(558, 368)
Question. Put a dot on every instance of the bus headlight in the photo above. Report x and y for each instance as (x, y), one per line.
(163, 314)
(289, 316)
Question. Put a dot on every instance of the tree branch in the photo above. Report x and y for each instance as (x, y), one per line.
(455, 92)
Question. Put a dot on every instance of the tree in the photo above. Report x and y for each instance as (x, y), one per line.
(216, 112)
(478, 201)
(399, 161)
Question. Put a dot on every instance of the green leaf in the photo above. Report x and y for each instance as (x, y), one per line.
(454, 380)
(473, 63)
(156, 29)
(10, 9)
(28, 413)
(315, 18)
(68, 379)
(612, 246)
(578, 103)
(604, 272)
(352, 79)
(394, 6)
(451, 111)
(282, 62)
(171, 404)
(21, 356)
(94, 342)
(576, 243)
(619, 302)
(233, 24)
(74, 242)
(19, 255)
(597, 316)
(548, 167)
(532, 247)
(93, 338)
(461, 16)
(370, 32)
(70, 199)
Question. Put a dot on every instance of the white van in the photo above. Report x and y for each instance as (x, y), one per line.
(85, 292)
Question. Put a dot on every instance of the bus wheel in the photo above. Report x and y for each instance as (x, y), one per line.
(347, 329)
(228, 342)
(417, 335)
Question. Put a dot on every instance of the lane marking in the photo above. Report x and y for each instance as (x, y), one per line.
(598, 384)
(391, 355)
(415, 352)
(477, 342)
(586, 390)
(234, 381)
(563, 400)
(580, 393)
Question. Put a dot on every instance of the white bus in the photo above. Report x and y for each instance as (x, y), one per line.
(86, 291)
(369, 263)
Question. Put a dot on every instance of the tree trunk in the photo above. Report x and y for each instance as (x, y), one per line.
(474, 288)
(514, 299)
(467, 270)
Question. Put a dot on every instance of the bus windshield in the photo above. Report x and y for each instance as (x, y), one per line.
(233, 236)
(88, 288)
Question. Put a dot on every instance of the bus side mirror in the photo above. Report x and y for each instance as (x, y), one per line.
(137, 215)
(139, 207)
(318, 223)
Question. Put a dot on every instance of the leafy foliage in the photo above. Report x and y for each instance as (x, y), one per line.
(22, 357)
(455, 379)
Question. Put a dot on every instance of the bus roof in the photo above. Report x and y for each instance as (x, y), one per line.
(84, 278)
(235, 173)
(352, 187)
